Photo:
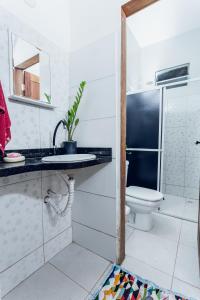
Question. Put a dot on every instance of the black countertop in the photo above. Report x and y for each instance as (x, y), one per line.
(34, 162)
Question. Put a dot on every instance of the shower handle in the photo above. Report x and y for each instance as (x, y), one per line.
(197, 142)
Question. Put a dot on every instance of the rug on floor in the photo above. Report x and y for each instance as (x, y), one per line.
(122, 285)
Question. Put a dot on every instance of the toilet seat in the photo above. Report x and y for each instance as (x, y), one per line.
(141, 194)
(141, 203)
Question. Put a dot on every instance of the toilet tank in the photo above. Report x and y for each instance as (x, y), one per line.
(127, 164)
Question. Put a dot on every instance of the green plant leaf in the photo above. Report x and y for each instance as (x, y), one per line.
(71, 120)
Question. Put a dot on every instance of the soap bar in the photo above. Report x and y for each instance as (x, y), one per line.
(13, 155)
(13, 159)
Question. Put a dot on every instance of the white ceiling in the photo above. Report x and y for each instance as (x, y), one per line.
(50, 18)
(164, 19)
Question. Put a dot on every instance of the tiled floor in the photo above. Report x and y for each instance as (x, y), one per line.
(71, 275)
(167, 255)
(180, 207)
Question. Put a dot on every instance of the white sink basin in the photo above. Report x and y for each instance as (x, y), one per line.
(68, 158)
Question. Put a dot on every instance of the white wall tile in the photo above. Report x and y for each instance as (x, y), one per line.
(176, 110)
(174, 190)
(95, 211)
(25, 126)
(98, 100)
(95, 241)
(52, 222)
(95, 61)
(57, 244)
(98, 180)
(192, 171)
(97, 133)
(20, 221)
(175, 170)
(48, 122)
(21, 270)
(192, 193)
(19, 178)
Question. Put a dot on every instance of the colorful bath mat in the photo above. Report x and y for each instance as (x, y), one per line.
(122, 285)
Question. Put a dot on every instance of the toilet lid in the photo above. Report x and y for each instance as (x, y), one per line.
(143, 193)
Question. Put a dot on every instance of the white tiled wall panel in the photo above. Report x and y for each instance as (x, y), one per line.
(97, 133)
(98, 180)
(57, 244)
(20, 221)
(98, 101)
(182, 130)
(21, 270)
(93, 62)
(95, 206)
(101, 215)
(25, 222)
(96, 241)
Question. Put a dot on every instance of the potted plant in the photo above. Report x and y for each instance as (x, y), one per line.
(71, 121)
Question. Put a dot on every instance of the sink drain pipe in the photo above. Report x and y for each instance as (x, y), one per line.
(53, 199)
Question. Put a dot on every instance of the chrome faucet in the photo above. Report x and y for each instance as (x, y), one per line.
(54, 134)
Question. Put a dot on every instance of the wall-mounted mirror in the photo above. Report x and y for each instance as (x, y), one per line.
(30, 71)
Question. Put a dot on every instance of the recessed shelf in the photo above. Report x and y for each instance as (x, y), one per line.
(39, 103)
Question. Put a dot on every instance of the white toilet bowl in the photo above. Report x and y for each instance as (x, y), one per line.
(142, 203)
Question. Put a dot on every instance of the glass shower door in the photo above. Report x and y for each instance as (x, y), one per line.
(181, 156)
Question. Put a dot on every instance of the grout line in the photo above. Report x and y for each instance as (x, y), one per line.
(42, 218)
(188, 283)
(77, 283)
(4, 270)
(176, 255)
(51, 239)
(133, 231)
(143, 262)
(108, 234)
(101, 277)
(34, 250)
(100, 118)
(76, 243)
(79, 190)
(92, 81)
(21, 180)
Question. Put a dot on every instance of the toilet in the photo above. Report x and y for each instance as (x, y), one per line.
(142, 202)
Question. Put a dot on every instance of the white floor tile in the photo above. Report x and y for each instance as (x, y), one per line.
(101, 280)
(166, 227)
(185, 289)
(80, 265)
(173, 206)
(180, 207)
(47, 284)
(188, 234)
(187, 265)
(155, 251)
(191, 210)
(129, 231)
(147, 272)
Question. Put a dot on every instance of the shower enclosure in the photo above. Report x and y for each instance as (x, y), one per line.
(163, 145)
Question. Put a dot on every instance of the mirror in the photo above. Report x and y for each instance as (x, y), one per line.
(31, 71)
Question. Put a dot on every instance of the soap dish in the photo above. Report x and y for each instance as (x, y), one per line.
(14, 159)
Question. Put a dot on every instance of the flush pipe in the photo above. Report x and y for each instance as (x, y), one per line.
(52, 198)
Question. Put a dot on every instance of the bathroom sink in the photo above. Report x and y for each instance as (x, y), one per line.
(68, 158)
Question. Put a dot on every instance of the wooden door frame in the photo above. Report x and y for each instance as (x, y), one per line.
(127, 10)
